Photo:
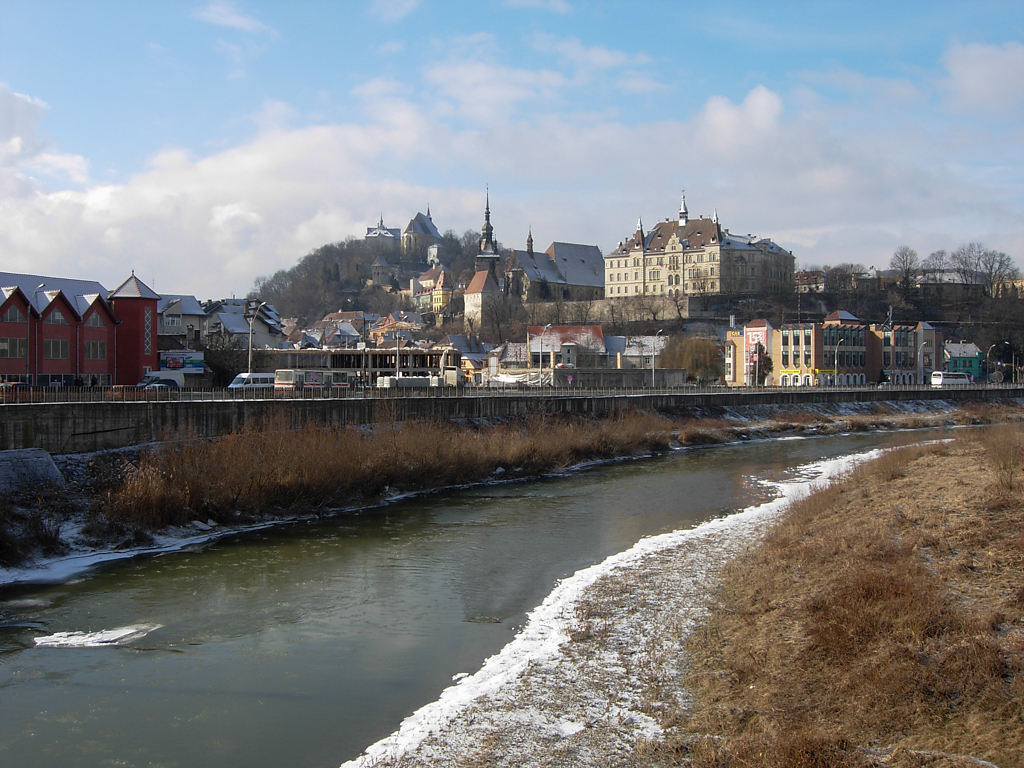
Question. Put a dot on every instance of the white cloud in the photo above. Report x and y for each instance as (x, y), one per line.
(224, 13)
(732, 129)
(393, 10)
(488, 92)
(19, 119)
(586, 57)
(833, 189)
(987, 77)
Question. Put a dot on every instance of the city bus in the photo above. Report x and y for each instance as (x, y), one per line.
(309, 380)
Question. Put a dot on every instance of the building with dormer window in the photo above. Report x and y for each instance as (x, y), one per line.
(696, 258)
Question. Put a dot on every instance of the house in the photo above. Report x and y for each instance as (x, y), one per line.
(229, 320)
(963, 357)
(571, 345)
(181, 321)
(565, 271)
(63, 331)
(401, 324)
(810, 281)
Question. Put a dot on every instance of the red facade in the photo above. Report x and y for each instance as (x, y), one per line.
(46, 341)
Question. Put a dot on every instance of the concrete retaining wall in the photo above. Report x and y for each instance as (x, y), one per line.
(82, 427)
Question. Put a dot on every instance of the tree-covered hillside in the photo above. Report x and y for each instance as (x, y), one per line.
(335, 277)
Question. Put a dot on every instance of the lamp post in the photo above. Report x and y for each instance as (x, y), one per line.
(988, 363)
(252, 317)
(920, 358)
(654, 352)
(835, 363)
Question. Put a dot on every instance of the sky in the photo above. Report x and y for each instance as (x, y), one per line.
(206, 144)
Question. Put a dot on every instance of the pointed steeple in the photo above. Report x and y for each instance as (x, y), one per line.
(715, 217)
(428, 211)
(529, 242)
(684, 215)
(487, 247)
(639, 237)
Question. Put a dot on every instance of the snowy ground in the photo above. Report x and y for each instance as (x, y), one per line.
(585, 680)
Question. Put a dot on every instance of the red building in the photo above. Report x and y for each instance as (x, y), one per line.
(59, 331)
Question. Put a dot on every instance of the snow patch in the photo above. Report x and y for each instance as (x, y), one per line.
(547, 626)
(118, 636)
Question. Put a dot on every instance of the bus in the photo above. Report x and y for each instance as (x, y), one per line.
(950, 379)
(310, 380)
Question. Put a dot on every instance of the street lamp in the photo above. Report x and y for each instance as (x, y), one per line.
(654, 352)
(920, 358)
(835, 364)
(252, 317)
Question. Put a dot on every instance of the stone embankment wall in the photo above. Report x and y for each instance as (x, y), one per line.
(82, 427)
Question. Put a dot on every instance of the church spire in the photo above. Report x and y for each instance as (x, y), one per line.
(684, 215)
(529, 242)
(487, 231)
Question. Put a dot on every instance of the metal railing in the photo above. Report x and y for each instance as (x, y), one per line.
(54, 395)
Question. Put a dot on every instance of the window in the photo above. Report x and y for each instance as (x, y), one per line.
(12, 315)
(95, 350)
(13, 347)
(55, 349)
(147, 341)
(56, 317)
(95, 321)
(172, 321)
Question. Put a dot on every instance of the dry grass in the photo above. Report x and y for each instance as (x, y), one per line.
(320, 467)
(879, 623)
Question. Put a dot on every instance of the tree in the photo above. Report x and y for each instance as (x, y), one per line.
(966, 262)
(763, 366)
(700, 357)
(907, 266)
(933, 266)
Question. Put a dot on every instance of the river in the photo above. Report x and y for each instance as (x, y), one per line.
(303, 644)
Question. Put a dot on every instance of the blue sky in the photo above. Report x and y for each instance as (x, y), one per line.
(205, 144)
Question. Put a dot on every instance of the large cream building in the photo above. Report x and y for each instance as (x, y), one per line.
(696, 258)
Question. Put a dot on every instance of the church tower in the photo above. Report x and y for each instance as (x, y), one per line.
(488, 257)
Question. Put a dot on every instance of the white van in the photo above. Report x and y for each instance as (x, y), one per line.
(251, 381)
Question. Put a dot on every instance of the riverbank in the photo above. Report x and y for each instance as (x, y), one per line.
(180, 493)
(877, 622)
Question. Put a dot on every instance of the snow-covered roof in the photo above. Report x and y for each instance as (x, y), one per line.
(546, 338)
(421, 224)
(962, 349)
(184, 303)
(41, 290)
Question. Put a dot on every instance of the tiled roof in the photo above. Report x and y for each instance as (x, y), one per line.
(482, 282)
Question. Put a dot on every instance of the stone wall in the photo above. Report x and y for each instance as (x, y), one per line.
(82, 427)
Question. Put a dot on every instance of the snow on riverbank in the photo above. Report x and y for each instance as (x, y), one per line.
(579, 695)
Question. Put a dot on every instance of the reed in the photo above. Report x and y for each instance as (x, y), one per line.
(881, 615)
(253, 471)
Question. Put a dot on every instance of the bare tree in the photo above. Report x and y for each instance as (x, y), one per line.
(996, 269)
(907, 266)
(966, 262)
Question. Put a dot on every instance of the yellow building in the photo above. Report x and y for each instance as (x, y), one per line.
(696, 258)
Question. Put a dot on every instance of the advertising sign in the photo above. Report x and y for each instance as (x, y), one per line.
(184, 360)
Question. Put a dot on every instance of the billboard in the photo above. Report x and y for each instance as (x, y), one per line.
(184, 360)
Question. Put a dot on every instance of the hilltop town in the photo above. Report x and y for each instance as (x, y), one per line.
(682, 299)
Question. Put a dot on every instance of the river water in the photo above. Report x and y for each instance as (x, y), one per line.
(303, 644)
